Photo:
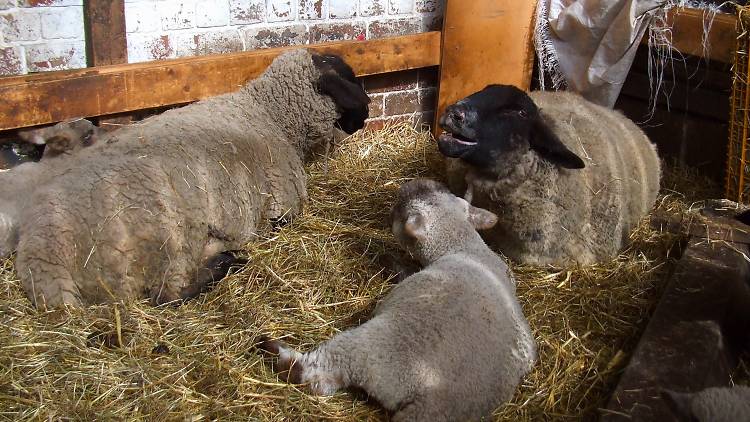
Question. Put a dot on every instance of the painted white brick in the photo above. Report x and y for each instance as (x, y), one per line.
(56, 56)
(246, 11)
(142, 17)
(279, 10)
(177, 14)
(11, 61)
(400, 7)
(7, 4)
(62, 22)
(342, 9)
(372, 7)
(37, 3)
(148, 47)
(21, 25)
(210, 13)
(199, 44)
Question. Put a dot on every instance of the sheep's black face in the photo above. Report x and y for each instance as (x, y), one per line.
(491, 123)
(338, 82)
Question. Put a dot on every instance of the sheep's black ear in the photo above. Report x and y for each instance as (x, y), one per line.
(551, 148)
(350, 99)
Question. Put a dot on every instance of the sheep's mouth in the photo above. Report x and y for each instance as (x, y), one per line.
(455, 145)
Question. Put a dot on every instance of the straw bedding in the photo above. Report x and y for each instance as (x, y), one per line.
(313, 278)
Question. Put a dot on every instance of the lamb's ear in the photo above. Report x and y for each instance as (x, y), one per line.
(679, 403)
(480, 218)
(415, 227)
(350, 98)
(551, 148)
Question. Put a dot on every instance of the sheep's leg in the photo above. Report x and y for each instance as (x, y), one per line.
(322, 371)
(418, 410)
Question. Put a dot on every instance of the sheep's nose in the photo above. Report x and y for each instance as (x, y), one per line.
(457, 115)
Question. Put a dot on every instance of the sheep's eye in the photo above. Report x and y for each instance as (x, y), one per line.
(523, 113)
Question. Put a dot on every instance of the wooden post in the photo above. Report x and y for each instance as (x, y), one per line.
(484, 42)
(106, 42)
(104, 25)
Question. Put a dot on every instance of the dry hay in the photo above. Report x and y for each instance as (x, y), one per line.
(321, 274)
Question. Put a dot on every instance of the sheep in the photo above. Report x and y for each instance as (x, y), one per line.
(148, 208)
(513, 153)
(66, 137)
(716, 404)
(447, 343)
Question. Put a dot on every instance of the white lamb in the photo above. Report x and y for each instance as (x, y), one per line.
(449, 342)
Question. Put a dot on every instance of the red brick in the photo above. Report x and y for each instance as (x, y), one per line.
(376, 105)
(403, 102)
(10, 61)
(323, 32)
(394, 81)
(310, 9)
(394, 27)
(428, 99)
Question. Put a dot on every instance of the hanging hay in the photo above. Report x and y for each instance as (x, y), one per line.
(318, 276)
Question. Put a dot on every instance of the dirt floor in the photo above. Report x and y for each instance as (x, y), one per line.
(313, 278)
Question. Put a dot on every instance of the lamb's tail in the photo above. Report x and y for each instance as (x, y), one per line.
(287, 361)
(8, 235)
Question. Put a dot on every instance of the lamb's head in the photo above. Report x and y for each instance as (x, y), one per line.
(309, 95)
(428, 221)
(496, 124)
(63, 138)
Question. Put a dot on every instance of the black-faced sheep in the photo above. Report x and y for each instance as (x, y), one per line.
(513, 153)
(448, 343)
(143, 211)
(716, 404)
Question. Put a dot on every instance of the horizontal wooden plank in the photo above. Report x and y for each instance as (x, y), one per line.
(687, 34)
(50, 97)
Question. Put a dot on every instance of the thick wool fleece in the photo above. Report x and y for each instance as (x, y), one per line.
(139, 212)
(552, 215)
(716, 404)
(448, 343)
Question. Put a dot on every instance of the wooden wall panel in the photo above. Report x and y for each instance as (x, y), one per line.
(50, 97)
(485, 41)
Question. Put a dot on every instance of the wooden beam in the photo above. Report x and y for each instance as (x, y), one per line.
(484, 42)
(687, 34)
(104, 25)
(29, 100)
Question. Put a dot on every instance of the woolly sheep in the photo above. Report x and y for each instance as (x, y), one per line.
(449, 342)
(716, 404)
(151, 205)
(512, 153)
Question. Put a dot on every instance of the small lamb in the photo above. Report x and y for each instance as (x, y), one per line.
(522, 155)
(65, 137)
(716, 404)
(449, 342)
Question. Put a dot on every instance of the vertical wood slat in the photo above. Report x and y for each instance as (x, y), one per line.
(104, 23)
(484, 42)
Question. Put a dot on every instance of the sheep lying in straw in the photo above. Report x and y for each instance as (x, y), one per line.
(449, 342)
(512, 153)
(717, 404)
(143, 211)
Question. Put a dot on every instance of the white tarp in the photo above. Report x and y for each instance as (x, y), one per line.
(590, 44)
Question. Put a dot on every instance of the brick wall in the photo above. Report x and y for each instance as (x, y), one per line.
(39, 35)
